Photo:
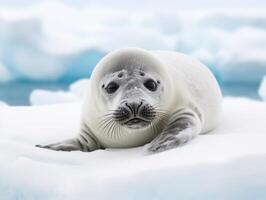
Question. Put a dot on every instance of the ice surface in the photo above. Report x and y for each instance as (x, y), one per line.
(229, 163)
(4, 74)
(3, 103)
(40, 97)
(262, 89)
(76, 93)
(79, 87)
(40, 45)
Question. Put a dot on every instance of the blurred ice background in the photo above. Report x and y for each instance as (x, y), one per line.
(48, 45)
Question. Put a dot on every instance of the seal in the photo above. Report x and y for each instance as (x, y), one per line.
(137, 97)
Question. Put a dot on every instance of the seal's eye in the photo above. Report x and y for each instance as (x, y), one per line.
(150, 85)
(111, 87)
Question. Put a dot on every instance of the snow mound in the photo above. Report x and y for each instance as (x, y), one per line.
(41, 97)
(262, 89)
(76, 93)
(229, 163)
(3, 103)
(79, 87)
(5, 75)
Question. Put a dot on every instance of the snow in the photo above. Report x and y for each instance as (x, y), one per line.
(262, 89)
(228, 163)
(4, 74)
(67, 41)
(79, 88)
(76, 93)
(42, 97)
(3, 103)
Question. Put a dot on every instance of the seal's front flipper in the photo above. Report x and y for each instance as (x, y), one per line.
(182, 127)
(66, 145)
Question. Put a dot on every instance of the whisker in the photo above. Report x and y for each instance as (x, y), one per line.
(104, 122)
(120, 132)
(107, 128)
(115, 131)
(112, 130)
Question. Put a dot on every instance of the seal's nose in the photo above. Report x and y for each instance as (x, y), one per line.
(134, 111)
(134, 106)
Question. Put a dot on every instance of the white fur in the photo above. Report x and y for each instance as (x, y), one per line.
(189, 84)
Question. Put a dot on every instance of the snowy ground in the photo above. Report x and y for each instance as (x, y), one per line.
(229, 163)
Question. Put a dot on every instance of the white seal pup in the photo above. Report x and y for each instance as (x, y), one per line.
(136, 97)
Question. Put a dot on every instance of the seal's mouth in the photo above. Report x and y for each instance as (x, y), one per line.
(135, 120)
(136, 123)
(134, 115)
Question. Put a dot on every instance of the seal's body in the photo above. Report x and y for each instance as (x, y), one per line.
(137, 96)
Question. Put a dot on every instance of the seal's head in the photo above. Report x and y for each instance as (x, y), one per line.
(134, 94)
(131, 85)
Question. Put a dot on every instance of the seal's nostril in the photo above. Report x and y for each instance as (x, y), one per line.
(130, 107)
(133, 107)
(141, 103)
